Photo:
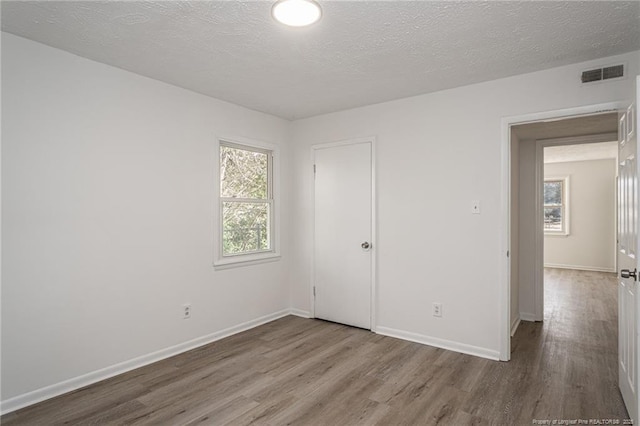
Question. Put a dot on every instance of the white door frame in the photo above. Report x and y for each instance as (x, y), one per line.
(505, 200)
(374, 223)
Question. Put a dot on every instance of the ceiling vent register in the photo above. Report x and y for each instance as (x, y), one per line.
(600, 74)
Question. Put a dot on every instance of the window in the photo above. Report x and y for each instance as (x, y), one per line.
(556, 214)
(246, 206)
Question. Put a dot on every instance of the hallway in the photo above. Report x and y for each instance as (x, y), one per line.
(570, 360)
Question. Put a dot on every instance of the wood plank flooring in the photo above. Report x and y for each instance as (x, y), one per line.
(307, 372)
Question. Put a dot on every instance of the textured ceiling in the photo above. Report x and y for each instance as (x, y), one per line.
(582, 152)
(361, 52)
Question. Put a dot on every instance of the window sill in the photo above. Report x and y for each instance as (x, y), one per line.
(247, 260)
(556, 234)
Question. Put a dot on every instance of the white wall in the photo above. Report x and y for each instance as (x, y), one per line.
(590, 244)
(107, 220)
(437, 153)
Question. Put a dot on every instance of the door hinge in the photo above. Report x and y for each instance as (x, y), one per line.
(314, 291)
(314, 170)
(507, 253)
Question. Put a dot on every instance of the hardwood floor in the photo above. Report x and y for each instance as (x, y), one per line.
(308, 372)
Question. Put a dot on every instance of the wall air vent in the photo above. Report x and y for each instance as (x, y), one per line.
(615, 71)
(592, 75)
(600, 74)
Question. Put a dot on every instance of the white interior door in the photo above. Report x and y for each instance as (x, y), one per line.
(628, 259)
(343, 231)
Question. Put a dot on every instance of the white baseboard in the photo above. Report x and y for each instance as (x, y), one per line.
(301, 313)
(525, 316)
(440, 343)
(579, 267)
(47, 392)
(514, 325)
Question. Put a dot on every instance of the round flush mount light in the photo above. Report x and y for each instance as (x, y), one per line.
(296, 13)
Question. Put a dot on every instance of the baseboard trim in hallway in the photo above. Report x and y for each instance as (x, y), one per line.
(579, 267)
(514, 325)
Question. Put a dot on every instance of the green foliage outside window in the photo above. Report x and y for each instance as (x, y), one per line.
(246, 200)
(553, 205)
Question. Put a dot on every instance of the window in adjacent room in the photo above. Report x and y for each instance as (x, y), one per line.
(556, 212)
(246, 207)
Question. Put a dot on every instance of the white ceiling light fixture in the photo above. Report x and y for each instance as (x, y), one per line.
(296, 13)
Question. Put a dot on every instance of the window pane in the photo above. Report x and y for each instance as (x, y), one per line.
(245, 227)
(553, 192)
(553, 219)
(243, 174)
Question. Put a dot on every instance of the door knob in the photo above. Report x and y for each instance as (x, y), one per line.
(625, 273)
(365, 245)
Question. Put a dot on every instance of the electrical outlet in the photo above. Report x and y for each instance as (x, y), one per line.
(437, 309)
(186, 311)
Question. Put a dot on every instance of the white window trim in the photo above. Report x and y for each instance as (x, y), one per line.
(565, 204)
(224, 262)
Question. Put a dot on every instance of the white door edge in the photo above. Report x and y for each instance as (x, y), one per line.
(372, 140)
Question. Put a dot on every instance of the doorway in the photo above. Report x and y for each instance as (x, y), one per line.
(574, 146)
(627, 208)
(344, 240)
